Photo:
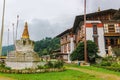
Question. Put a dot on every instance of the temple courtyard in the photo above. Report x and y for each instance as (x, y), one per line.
(73, 72)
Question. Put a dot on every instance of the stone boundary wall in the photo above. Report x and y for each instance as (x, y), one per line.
(30, 71)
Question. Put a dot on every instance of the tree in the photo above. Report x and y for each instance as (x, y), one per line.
(116, 51)
(46, 46)
(78, 53)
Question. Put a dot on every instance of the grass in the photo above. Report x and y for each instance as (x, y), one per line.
(93, 68)
(66, 75)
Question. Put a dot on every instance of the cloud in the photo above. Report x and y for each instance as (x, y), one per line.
(47, 18)
(92, 5)
(41, 28)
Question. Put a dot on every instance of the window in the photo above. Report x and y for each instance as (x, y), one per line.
(112, 41)
(105, 28)
(66, 38)
(69, 47)
(117, 29)
(62, 40)
(118, 42)
(24, 42)
(111, 28)
(94, 29)
(106, 42)
(95, 34)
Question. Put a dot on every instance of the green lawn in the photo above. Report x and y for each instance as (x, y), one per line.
(94, 68)
(66, 75)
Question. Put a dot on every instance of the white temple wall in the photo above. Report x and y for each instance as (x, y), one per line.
(101, 44)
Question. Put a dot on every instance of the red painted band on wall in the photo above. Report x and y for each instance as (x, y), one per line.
(90, 25)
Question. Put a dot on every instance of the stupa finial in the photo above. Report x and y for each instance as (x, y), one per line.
(25, 34)
(98, 9)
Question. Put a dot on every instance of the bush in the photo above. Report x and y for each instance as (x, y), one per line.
(105, 64)
(40, 67)
(115, 65)
(109, 63)
(117, 69)
(49, 64)
(116, 50)
(58, 64)
(8, 68)
(78, 53)
(2, 65)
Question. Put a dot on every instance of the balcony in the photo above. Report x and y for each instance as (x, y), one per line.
(111, 34)
(65, 42)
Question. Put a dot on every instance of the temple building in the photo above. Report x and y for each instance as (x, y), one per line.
(102, 27)
(67, 44)
(24, 55)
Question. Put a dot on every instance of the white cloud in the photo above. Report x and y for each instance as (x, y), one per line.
(48, 17)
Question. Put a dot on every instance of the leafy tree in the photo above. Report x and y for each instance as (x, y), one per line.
(116, 51)
(46, 46)
(78, 53)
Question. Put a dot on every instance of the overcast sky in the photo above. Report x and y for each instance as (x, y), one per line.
(47, 18)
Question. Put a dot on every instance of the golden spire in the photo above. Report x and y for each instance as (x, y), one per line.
(25, 34)
(98, 9)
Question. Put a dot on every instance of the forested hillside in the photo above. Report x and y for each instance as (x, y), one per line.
(42, 47)
(5, 49)
(47, 45)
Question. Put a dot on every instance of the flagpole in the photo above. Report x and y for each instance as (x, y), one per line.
(85, 42)
(8, 42)
(2, 28)
(16, 30)
(13, 37)
(17, 25)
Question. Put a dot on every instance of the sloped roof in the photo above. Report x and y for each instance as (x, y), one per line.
(102, 12)
(80, 18)
(65, 32)
(117, 15)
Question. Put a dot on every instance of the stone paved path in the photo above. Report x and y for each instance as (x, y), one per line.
(102, 75)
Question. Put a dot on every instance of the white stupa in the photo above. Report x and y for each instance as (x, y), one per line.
(24, 55)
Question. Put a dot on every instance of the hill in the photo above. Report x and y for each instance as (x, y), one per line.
(5, 49)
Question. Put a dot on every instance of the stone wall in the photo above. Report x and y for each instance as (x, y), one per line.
(24, 45)
(23, 65)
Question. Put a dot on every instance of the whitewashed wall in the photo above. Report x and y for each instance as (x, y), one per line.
(101, 42)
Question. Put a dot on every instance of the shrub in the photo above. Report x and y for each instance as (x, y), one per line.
(105, 63)
(116, 50)
(8, 68)
(40, 67)
(78, 53)
(49, 65)
(58, 64)
(117, 69)
(115, 65)
(2, 65)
